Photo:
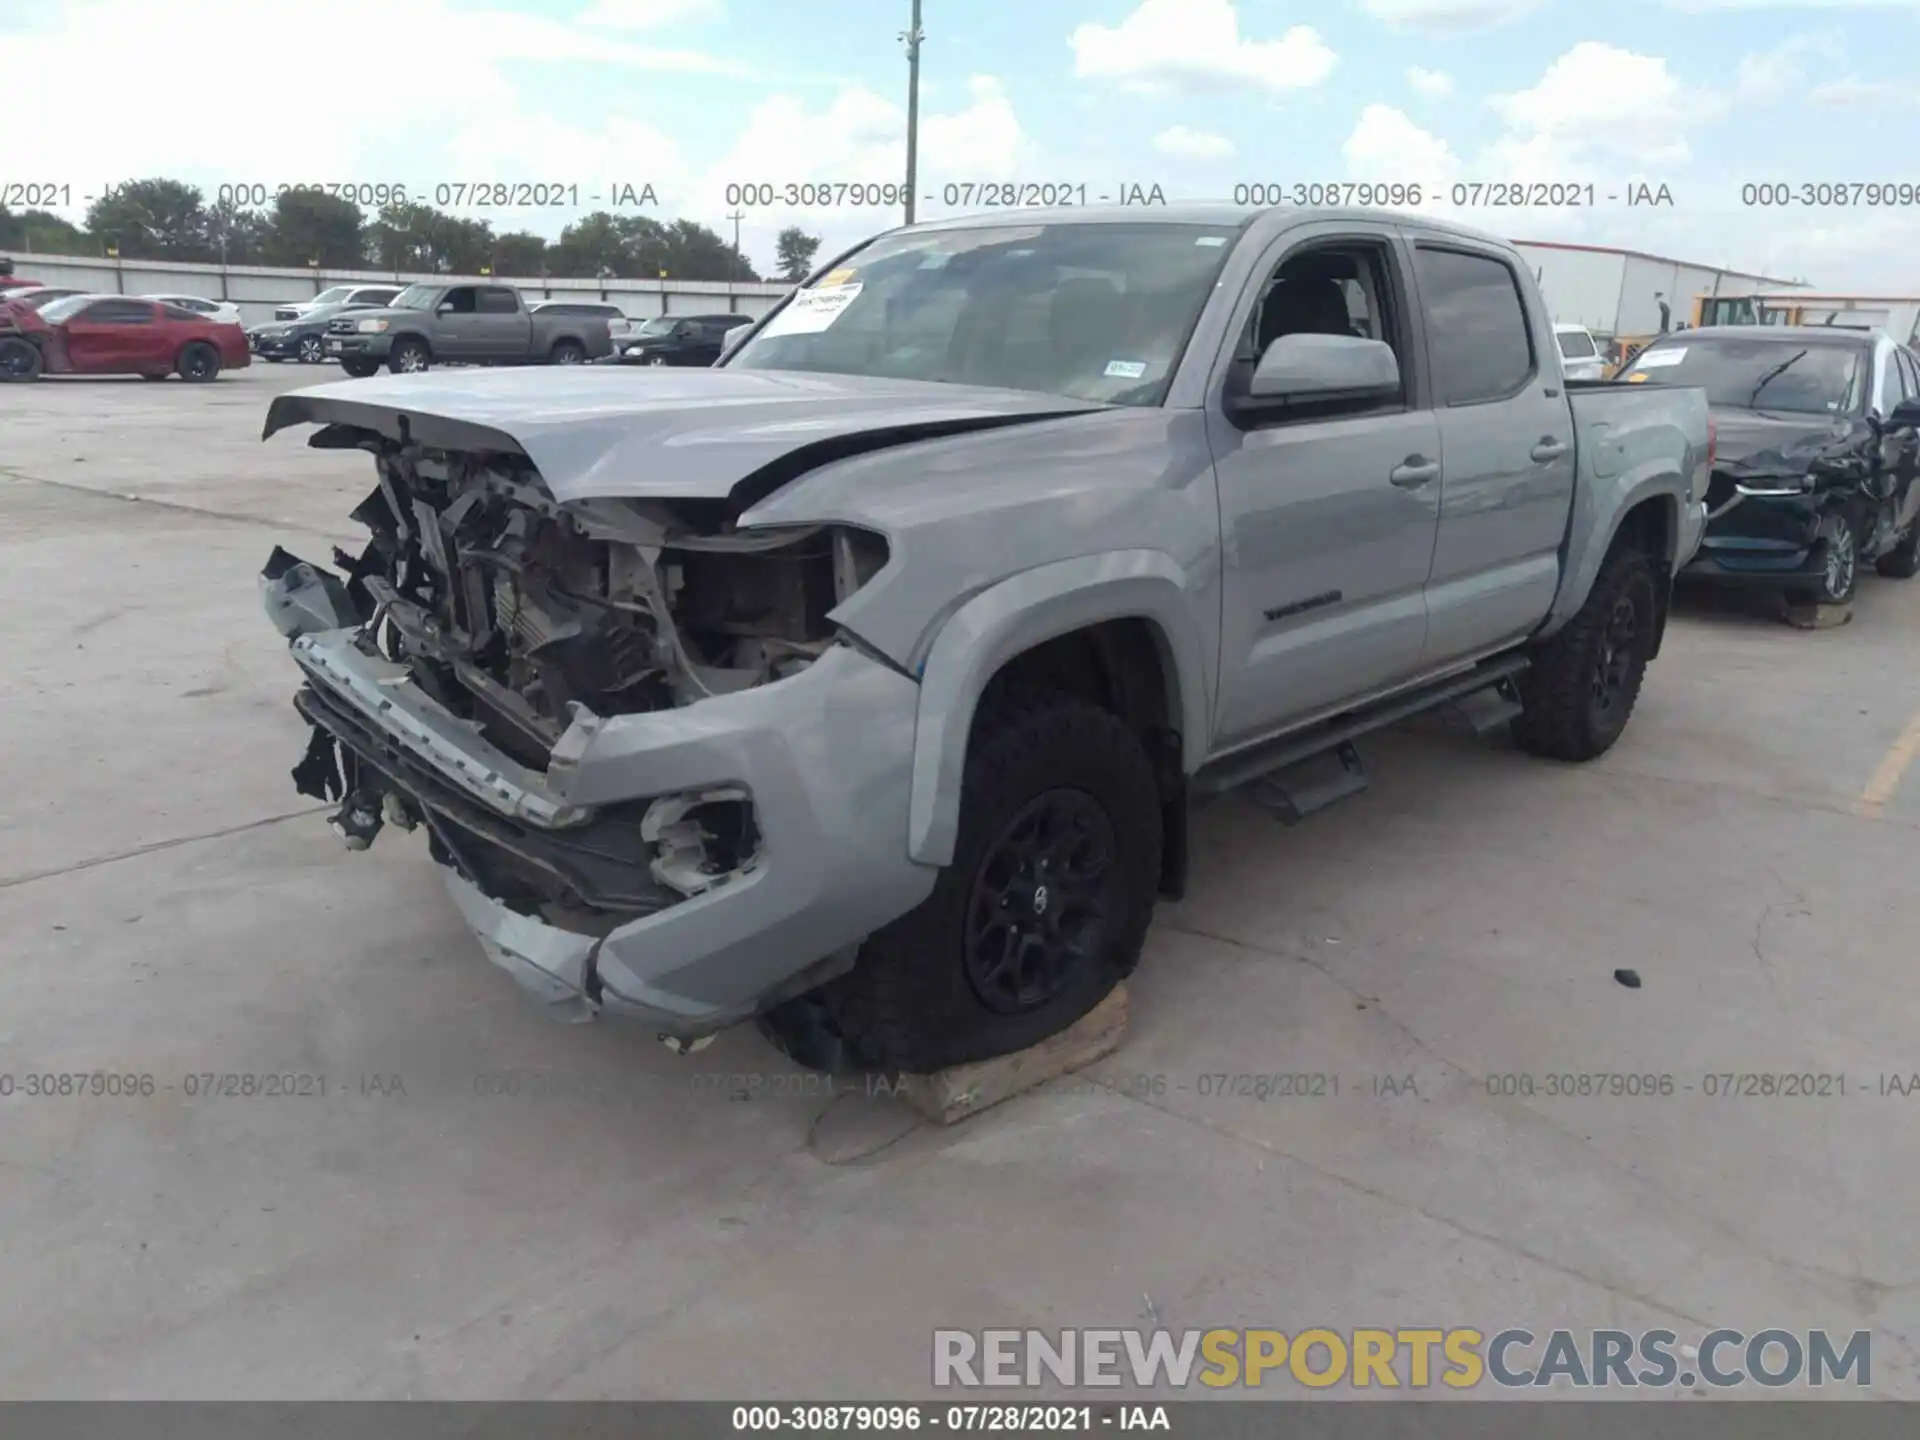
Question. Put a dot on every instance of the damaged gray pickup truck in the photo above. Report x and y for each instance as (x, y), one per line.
(862, 684)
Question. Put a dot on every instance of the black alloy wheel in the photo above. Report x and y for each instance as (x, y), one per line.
(1042, 902)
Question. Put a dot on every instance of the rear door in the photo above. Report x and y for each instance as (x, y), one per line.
(1506, 439)
(502, 329)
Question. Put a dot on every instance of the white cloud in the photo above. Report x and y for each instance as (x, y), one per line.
(1194, 44)
(1850, 90)
(466, 107)
(858, 137)
(647, 14)
(1448, 17)
(1598, 107)
(1192, 144)
(1781, 73)
(1429, 84)
(1386, 146)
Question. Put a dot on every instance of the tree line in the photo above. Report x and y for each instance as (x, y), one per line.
(162, 219)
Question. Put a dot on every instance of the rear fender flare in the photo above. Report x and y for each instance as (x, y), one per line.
(1591, 534)
(1015, 615)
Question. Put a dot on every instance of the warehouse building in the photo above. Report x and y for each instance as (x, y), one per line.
(1618, 293)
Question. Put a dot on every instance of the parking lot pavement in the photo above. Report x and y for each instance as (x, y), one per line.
(705, 1226)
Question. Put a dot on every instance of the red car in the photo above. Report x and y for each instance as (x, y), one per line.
(115, 335)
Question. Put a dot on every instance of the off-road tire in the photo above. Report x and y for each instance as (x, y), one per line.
(1903, 561)
(360, 369)
(397, 360)
(909, 1004)
(1561, 715)
(198, 362)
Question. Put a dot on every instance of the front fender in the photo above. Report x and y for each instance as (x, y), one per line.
(1015, 615)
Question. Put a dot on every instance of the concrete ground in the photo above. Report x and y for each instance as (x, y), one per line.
(653, 1226)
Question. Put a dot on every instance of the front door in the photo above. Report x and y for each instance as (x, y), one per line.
(106, 336)
(1328, 519)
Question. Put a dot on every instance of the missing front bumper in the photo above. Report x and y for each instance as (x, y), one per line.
(825, 757)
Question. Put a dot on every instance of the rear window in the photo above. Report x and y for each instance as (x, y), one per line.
(1576, 345)
(1773, 373)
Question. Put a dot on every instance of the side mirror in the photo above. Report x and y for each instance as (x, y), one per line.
(1905, 416)
(730, 341)
(1297, 368)
(445, 307)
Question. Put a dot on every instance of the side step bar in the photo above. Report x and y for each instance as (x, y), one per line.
(1333, 738)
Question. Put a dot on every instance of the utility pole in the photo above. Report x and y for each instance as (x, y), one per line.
(736, 217)
(913, 36)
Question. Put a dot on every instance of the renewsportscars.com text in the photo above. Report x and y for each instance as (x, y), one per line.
(1415, 1359)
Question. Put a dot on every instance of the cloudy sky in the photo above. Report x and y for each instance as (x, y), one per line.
(1194, 96)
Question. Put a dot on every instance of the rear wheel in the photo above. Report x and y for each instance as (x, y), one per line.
(409, 357)
(20, 360)
(1580, 689)
(567, 352)
(1043, 909)
(199, 362)
(1903, 561)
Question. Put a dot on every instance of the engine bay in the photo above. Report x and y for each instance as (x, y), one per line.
(511, 611)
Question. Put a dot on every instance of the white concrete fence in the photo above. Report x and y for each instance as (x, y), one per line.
(256, 289)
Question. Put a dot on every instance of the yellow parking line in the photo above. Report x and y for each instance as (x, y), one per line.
(1886, 779)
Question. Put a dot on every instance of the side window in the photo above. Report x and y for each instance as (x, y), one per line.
(118, 312)
(374, 297)
(199, 307)
(1342, 288)
(459, 300)
(1575, 345)
(1886, 378)
(1477, 332)
(497, 300)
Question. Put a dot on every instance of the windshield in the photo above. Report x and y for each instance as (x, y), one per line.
(1759, 374)
(54, 311)
(662, 325)
(414, 297)
(1095, 311)
(1576, 344)
(333, 296)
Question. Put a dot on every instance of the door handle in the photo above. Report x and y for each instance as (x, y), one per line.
(1548, 448)
(1413, 472)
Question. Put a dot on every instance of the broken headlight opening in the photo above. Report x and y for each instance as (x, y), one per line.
(523, 619)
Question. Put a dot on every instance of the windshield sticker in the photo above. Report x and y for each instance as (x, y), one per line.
(1639, 377)
(1126, 369)
(1211, 240)
(838, 277)
(1654, 359)
(811, 311)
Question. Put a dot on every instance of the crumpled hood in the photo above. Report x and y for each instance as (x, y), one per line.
(1769, 443)
(599, 433)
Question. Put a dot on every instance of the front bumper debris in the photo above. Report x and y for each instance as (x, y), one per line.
(823, 758)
